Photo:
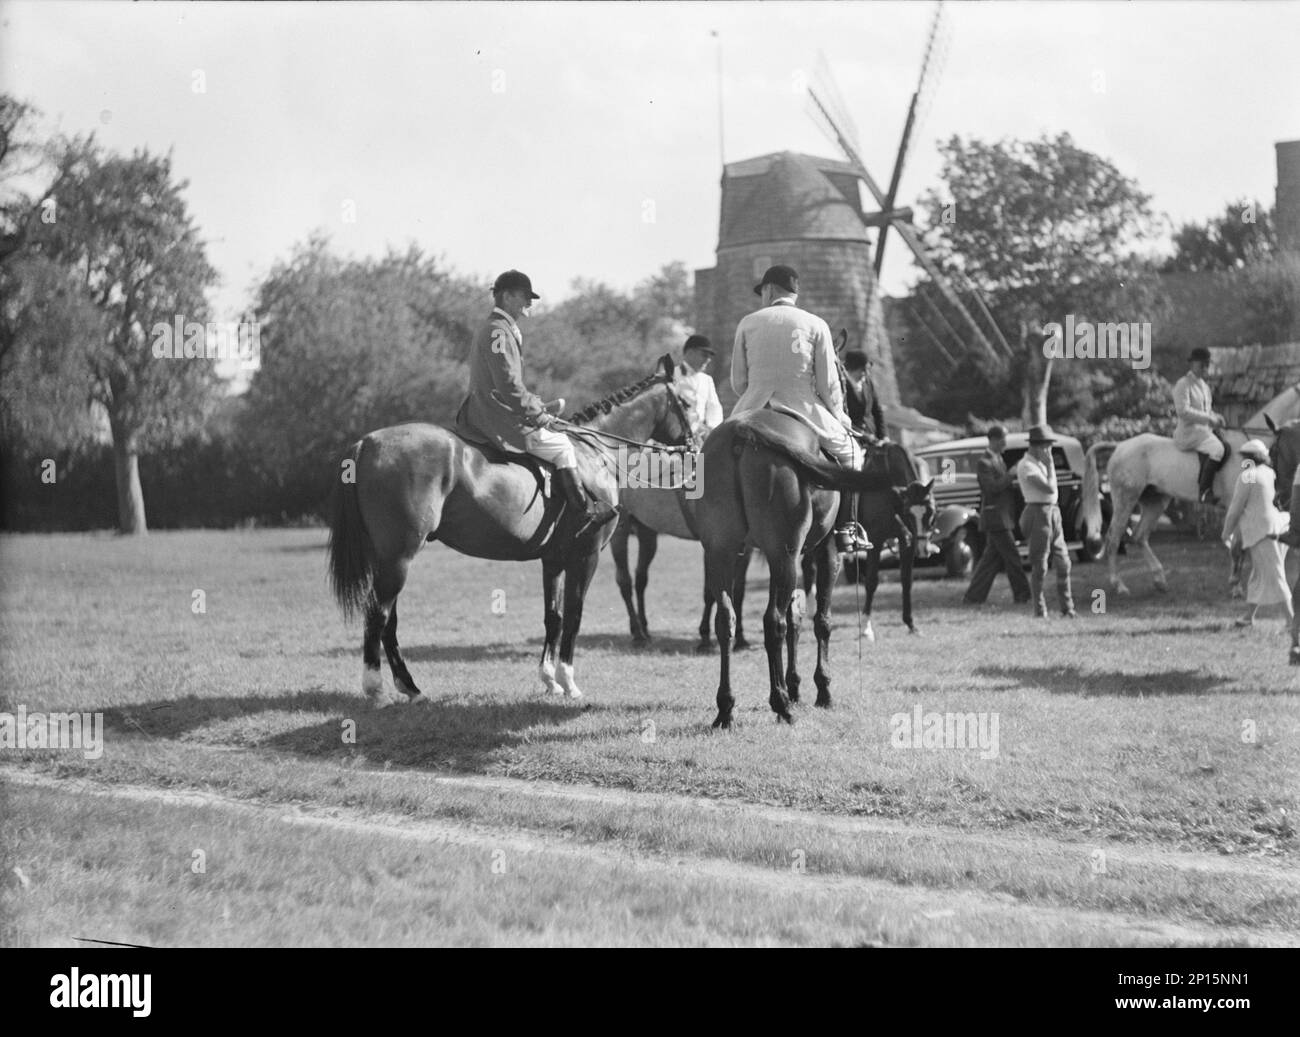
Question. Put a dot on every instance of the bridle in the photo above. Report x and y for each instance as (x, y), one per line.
(691, 446)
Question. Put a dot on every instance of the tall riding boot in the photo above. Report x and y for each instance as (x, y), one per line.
(1292, 537)
(850, 537)
(1205, 480)
(597, 512)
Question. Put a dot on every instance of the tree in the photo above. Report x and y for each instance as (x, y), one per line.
(1270, 295)
(121, 227)
(1242, 235)
(1042, 229)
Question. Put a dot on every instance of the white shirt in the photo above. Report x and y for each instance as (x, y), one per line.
(699, 396)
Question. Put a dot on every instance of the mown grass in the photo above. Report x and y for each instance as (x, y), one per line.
(203, 876)
(1125, 725)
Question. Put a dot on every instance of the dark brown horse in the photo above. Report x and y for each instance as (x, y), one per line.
(766, 484)
(405, 486)
(905, 512)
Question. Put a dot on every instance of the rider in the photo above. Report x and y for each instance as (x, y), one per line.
(784, 358)
(1197, 421)
(698, 393)
(861, 399)
(501, 411)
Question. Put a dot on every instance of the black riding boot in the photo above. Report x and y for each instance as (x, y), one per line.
(597, 512)
(850, 537)
(1205, 481)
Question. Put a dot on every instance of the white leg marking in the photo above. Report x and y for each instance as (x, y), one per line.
(566, 681)
(547, 673)
(372, 682)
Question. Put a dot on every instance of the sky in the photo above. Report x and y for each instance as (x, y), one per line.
(581, 140)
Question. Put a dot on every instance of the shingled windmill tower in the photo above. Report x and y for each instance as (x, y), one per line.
(805, 212)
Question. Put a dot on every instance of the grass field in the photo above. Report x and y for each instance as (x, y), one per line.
(1143, 788)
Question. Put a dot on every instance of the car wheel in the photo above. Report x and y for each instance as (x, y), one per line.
(957, 556)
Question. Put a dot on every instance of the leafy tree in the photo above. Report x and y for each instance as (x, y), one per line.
(1270, 294)
(121, 227)
(1243, 234)
(1042, 229)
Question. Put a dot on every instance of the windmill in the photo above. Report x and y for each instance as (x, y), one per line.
(830, 113)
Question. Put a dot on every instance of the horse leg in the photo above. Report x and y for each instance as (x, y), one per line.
(618, 548)
(719, 576)
(1123, 501)
(781, 587)
(828, 571)
(402, 679)
(552, 587)
(1151, 512)
(738, 597)
(389, 579)
(794, 626)
(647, 544)
(706, 645)
(1294, 658)
(577, 578)
(905, 560)
(871, 581)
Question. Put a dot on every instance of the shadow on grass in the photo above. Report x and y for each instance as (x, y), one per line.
(530, 650)
(443, 734)
(1070, 680)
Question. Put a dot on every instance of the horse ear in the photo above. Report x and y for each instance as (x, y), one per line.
(929, 486)
(841, 340)
(1272, 427)
(666, 362)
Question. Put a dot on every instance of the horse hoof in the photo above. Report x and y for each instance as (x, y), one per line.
(868, 634)
(786, 716)
(823, 703)
(913, 630)
(722, 722)
(740, 645)
(1162, 587)
(1295, 655)
(418, 699)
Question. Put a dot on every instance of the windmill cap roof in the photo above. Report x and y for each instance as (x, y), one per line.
(787, 196)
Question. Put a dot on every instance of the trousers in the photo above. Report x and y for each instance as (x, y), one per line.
(1000, 555)
(1042, 528)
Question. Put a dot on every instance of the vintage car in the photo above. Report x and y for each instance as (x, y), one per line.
(957, 498)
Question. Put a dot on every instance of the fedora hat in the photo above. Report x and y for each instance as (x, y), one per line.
(1041, 435)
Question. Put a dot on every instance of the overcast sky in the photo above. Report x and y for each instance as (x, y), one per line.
(543, 135)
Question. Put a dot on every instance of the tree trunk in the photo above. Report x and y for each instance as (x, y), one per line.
(1038, 376)
(130, 497)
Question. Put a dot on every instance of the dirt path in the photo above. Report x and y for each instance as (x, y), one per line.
(930, 904)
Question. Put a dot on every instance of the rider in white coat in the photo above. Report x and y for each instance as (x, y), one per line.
(784, 358)
(1197, 420)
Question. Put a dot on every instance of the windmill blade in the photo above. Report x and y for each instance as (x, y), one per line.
(891, 195)
(829, 91)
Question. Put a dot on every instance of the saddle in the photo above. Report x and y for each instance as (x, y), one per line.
(542, 471)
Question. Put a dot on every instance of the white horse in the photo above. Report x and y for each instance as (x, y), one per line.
(1149, 471)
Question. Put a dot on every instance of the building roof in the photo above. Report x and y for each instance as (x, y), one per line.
(1253, 376)
(787, 196)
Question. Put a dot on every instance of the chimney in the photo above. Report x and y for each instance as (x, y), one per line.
(1287, 216)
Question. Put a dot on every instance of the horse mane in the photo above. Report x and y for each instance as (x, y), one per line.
(614, 399)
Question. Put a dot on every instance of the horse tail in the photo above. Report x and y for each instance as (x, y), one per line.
(350, 570)
(825, 474)
(1090, 514)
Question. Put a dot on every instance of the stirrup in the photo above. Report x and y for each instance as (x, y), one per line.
(852, 538)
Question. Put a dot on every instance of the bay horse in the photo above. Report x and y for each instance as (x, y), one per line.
(413, 484)
(904, 512)
(1149, 471)
(1284, 457)
(766, 484)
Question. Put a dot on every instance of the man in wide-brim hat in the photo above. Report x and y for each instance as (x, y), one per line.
(1040, 522)
(501, 411)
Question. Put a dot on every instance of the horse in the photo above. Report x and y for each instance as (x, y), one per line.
(646, 514)
(765, 484)
(417, 483)
(1284, 457)
(1148, 470)
(905, 511)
